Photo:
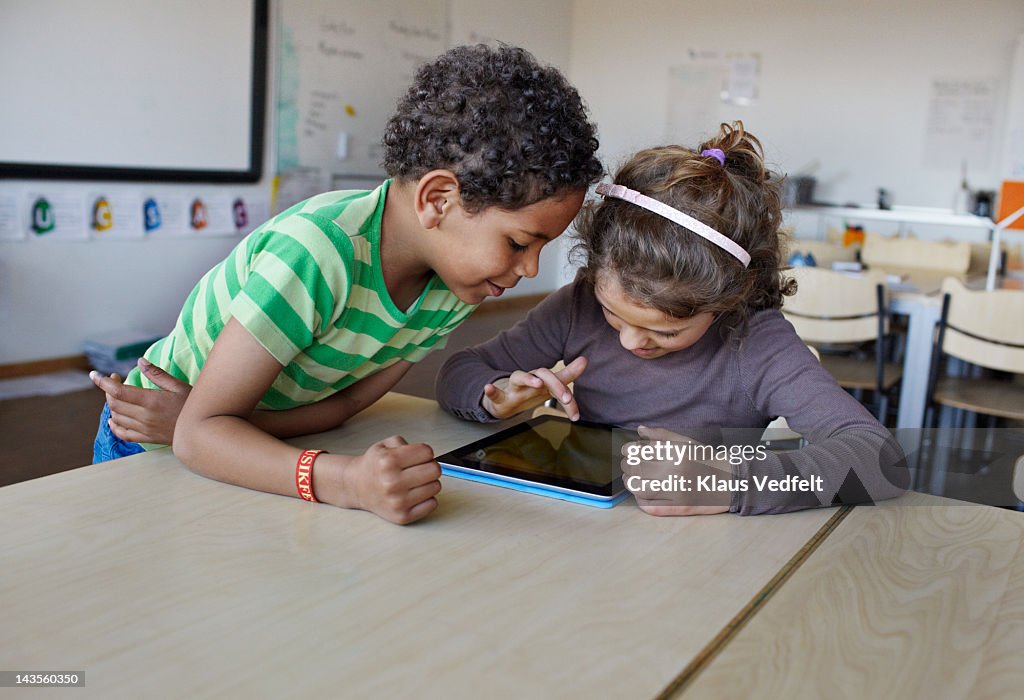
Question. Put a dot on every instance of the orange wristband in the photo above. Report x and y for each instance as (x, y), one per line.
(304, 474)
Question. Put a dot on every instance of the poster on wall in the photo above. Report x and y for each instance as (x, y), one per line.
(1015, 169)
(699, 86)
(961, 123)
(742, 76)
(694, 101)
(56, 215)
(114, 215)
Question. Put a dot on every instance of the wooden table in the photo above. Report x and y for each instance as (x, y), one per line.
(158, 582)
(921, 597)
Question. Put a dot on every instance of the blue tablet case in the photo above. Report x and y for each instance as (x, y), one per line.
(537, 489)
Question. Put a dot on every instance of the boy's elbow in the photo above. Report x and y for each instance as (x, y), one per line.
(182, 449)
(184, 445)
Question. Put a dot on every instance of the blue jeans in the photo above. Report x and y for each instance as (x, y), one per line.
(109, 446)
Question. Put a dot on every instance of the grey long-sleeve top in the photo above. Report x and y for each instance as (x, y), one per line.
(717, 384)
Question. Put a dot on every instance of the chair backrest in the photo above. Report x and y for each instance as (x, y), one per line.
(896, 253)
(980, 253)
(825, 252)
(984, 328)
(833, 307)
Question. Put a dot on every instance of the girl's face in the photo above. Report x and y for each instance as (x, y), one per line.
(644, 331)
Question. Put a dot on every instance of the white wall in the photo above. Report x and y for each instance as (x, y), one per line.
(54, 295)
(844, 83)
(542, 27)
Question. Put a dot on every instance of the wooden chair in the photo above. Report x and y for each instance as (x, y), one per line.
(899, 253)
(839, 314)
(825, 252)
(982, 331)
(985, 329)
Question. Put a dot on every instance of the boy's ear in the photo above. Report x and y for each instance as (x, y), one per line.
(436, 193)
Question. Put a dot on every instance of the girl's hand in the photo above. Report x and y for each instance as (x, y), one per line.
(144, 415)
(524, 390)
(683, 472)
(393, 479)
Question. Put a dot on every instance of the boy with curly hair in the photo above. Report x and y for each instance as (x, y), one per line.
(321, 310)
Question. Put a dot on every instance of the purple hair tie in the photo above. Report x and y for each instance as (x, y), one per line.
(715, 153)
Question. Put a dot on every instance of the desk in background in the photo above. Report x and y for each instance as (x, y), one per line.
(918, 299)
(814, 221)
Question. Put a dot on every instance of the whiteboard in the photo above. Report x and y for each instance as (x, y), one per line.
(133, 89)
(343, 66)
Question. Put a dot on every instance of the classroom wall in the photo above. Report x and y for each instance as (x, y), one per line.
(845, 84)
(542, 27)
(55, 294)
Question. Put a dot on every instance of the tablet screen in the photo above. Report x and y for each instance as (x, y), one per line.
(551, 451)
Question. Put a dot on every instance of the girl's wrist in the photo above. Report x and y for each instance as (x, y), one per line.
(488, 406)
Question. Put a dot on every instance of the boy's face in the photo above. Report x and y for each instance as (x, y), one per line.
(484, 254)
(644, 331)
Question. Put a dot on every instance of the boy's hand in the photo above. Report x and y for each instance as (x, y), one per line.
(524, 390)
(144, 415)
(689, 497)
(393, 479)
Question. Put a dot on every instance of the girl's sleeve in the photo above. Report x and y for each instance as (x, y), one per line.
(856, 458)
(536, 341)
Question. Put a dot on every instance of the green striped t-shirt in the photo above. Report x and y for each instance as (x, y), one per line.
(308, 286)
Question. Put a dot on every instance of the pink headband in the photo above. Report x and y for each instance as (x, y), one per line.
(672, 214)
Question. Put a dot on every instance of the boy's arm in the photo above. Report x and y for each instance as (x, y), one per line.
(334, 410)
(215, 437)
(149, 415)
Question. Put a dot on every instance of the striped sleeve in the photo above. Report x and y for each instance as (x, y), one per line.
(298, 279)
(438, 339)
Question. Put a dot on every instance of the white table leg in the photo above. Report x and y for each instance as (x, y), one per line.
(923, 313)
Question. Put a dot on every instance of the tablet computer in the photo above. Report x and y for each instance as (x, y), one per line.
(549, 456)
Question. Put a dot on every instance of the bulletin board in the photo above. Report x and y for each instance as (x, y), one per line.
(144, 90)
(343, 66)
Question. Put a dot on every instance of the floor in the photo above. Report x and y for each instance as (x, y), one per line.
(48, 434)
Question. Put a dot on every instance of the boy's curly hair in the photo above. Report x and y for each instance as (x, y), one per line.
(661, 264)
(513, 132)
